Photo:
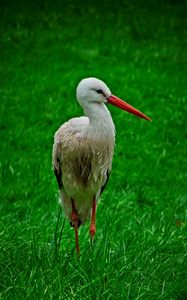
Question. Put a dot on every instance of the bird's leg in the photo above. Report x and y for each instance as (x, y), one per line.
(93, 223)
(74, 219)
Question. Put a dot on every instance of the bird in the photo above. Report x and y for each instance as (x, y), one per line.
(83, 150)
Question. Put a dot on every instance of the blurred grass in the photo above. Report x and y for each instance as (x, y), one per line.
(139, 50)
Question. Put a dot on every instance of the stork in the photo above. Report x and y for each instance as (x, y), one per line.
(82, 153)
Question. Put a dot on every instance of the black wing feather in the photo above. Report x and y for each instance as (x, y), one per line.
(103, 187)
(58, 174)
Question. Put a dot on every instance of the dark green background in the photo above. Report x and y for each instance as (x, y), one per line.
(139, 49)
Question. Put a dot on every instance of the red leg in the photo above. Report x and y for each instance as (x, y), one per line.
(93, 223)
(74, 219)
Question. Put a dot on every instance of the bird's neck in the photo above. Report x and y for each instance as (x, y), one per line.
(100, 119)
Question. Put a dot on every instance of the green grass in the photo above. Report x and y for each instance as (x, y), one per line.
(139, 50)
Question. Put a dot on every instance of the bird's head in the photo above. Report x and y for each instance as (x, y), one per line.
(92, 90)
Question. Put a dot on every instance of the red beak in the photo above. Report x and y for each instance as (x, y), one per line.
(125, 106)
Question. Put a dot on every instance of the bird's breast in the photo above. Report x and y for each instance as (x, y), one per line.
(86, 163)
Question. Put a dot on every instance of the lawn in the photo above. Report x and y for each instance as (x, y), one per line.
(139, 50)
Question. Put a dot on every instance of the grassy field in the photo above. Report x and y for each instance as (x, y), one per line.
(139, 50)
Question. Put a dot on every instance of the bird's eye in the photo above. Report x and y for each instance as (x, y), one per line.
(100, 92)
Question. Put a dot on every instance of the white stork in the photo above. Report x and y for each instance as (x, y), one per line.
(83, 150)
